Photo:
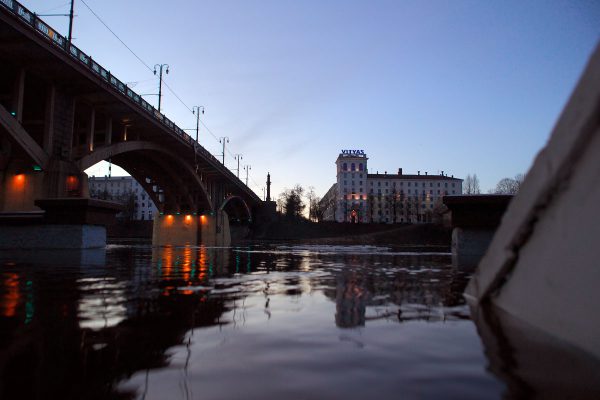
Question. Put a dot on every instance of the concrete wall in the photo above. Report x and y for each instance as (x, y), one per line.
(21, 189)
(469, 246)
(554, 283)
(542, 265)
(181, 230)
(176, 230)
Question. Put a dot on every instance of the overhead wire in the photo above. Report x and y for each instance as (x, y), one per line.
(152, 70)
(115, 35)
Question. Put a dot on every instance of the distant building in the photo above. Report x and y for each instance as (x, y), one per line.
(358, 196)
(126, 190)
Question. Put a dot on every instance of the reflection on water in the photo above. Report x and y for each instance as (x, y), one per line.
(252, 322)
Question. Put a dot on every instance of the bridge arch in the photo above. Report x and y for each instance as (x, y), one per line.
(142, 159)
(236, 208)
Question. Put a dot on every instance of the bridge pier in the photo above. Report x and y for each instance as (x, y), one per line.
(208, 229)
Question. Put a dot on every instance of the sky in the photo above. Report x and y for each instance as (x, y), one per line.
(467, 87)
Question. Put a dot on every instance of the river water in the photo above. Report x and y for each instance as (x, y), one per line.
(264, 321)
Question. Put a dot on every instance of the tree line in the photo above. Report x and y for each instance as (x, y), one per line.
(504, 186)
(292, 203)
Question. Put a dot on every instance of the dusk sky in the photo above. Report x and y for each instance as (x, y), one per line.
(460, 86)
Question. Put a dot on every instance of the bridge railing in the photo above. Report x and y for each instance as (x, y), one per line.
(53, 37)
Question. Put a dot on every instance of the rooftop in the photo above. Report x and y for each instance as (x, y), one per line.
(414, 177)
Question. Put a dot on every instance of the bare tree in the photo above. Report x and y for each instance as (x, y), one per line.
(313, 203)
(509, 185)
(471, 185)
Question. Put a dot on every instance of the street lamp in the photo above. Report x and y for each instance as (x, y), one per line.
(160, 68)
(238, 157)
(247, 168)
(197, 110)
(223, 139)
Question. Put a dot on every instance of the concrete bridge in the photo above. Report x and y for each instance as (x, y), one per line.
(61, 112)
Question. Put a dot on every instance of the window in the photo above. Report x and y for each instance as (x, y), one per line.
(386, 191)
(446, 184)
(423, 184)
(378, 183)
(379, 191)
(353, 167)
(452, 184)
(438, 184)
(360, 176)
(453, 192)
(438, 192)
(408, 191)
(345, 167)
(430, 184)
(360, 167)
(371, 183)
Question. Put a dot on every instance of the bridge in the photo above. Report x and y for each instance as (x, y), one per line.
(61, 112)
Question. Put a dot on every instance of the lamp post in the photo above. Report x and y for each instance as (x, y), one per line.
(238, 157)
(223, 139)
(160, 74)
(197, 110)
(247, 168)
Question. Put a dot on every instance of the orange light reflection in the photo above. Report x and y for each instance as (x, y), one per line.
(11, 297)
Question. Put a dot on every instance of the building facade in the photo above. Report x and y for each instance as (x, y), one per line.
(361, 197)
(125, 190)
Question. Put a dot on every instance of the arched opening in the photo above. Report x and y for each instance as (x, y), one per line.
(237, 210)
(240, 217)
(159, 177)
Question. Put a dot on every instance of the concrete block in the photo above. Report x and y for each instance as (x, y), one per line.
(52, 237)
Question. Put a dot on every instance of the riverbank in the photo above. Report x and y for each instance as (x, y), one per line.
(406, 235)
(422, 235)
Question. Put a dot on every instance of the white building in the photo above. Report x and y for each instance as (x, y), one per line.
(358, 196)
(124, 189)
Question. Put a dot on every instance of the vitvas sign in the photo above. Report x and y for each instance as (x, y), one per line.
(353, 152)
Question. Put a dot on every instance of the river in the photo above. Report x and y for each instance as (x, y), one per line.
(255, 322)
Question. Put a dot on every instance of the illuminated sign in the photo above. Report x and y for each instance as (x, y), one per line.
(354, 152)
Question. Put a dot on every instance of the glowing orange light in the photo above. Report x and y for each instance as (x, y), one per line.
(203, 219)
(188, 218)
(18, 182)
(72, 183)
